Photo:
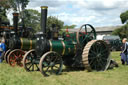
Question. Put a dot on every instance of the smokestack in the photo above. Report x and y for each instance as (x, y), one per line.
(0, 21)
(43, 18)
(15, 21)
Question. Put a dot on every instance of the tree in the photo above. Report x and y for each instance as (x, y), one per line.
(122, 31)
(4, 6)
(18, 5)
(3, 15)
(69, 26)
(32, 19)
(124, 17)
(54, 20)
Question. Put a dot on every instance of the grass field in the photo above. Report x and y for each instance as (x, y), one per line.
(18, 76)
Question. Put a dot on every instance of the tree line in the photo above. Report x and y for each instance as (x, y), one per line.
(123, 30)
(29, 17)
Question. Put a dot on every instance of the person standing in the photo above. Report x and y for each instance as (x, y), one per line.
(1, 52)
(124, 53)
(2, 49)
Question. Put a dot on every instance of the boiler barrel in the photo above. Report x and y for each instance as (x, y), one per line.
(62, 47)
(21, 43)
(27, 44)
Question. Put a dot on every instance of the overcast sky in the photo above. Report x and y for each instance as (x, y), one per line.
(78, 12)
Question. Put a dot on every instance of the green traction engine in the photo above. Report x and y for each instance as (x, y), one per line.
(18, 43)
(17, 48)
(78, 50)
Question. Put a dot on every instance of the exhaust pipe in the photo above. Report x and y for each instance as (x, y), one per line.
(0, 22)
(15, 21)
(43, 18)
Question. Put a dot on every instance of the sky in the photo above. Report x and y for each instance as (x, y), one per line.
(95, 12)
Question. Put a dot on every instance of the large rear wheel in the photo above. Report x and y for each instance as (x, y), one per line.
(95, 55)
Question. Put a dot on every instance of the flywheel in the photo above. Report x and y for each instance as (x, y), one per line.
(96, 55)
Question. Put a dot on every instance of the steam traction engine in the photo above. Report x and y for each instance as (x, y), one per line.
(6, 32)
(18, 43)
(77, 50)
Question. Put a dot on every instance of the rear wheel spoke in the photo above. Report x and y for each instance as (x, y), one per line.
(47, 69)
(30, 66)
(33, 67)
(36, 66)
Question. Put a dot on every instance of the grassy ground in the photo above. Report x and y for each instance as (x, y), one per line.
(18, 76)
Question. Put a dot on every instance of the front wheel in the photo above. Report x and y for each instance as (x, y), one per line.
(6, 55)
(29, 61)
(50, 63)
(15, 57)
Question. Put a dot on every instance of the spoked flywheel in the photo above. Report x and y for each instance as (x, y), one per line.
(30, 61)
(85, 34)
(6, 55)
(95, 55)
(51, 63)
(15, 57)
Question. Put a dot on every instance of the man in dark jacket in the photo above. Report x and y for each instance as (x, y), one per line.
(124, 53)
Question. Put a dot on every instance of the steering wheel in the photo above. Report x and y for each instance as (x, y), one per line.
(91, 34)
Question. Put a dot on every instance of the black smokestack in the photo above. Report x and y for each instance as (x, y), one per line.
(15, 21)
(0, 21)
(43, 18)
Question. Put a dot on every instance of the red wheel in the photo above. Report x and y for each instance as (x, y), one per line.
(15, 57)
